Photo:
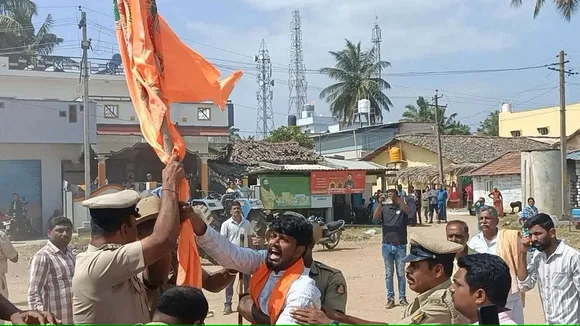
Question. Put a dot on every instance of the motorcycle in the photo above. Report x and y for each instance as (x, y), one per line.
(331, 232)
(17, 227)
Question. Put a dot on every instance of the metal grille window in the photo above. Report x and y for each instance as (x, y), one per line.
(203, 114)
(111, 111)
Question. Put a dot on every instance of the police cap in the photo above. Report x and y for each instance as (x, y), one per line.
(423, 248)
(148, 209)
(104, 207)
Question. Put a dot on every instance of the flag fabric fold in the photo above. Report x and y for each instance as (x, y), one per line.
(160, 70)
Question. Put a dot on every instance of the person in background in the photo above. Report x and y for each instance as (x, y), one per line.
(555, 266)
(233, 187)
(482, 279)
(374, 203)
(7, 252)
(503, 243)
(477, 207)
(454, 196)
(234, 228)
(497, 198)
(181, 305)
(425, 205)
(393, 212)
(411, 200)
(432, 204)
(17, 206)
(457, 231)
(469, 197)
(419, 194)
(442, 197)
(51, 272)
(401, 192)
(528, 211)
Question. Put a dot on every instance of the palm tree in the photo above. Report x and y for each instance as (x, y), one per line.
(425, 113)
(566, 7)
(18, 34)
(357, 74)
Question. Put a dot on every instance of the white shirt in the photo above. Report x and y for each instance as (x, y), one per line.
(303, 292)
(232, 230)
(559, 282)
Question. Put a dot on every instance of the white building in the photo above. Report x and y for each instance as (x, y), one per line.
(504, 173)
(39, 123)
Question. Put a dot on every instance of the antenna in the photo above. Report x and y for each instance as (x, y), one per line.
(265, 94)
(297, 71)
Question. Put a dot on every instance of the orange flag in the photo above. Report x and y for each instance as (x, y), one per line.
(160, 70)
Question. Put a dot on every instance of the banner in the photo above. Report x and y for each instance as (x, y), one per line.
(285, 191)
(337, 182)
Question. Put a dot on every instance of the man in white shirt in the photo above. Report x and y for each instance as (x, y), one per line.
(277, 272)
(235, 228)
(488, 241)
(555, 266)
(482, 279)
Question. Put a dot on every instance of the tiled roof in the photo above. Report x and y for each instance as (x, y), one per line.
(509, 163)
(465, 148)
(252, 152)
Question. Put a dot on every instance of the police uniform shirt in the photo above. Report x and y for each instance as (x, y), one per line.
(331, 284)
(106, 287)
(7, 251)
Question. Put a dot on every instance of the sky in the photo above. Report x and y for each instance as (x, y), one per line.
(418, 36)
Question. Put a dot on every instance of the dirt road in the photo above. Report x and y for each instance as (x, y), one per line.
(360, 261)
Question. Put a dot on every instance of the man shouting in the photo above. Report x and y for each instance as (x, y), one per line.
(280, 282)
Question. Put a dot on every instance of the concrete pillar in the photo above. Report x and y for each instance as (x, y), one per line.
(102, 170)
(204, 176)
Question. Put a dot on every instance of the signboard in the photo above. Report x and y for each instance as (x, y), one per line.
(321, 201)
(285, 191)
(337, 182)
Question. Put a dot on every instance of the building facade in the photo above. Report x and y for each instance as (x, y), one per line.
(544, 122)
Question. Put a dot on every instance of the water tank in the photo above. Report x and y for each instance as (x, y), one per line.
(305, 114)
(540, 171)
(506, 108)
(292, 120)
(364, 106)
(309, 107)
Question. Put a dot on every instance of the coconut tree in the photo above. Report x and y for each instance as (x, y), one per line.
(566, 7)
(18, 34)
(424, 112)
(357, 74)
(420, 113)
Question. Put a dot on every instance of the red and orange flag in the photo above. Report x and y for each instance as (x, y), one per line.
(160, 70)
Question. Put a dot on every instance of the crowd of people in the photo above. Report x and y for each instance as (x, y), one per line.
(128, 273)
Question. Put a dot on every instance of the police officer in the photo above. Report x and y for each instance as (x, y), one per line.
(428, 273)
(106, 286)
(7, 252)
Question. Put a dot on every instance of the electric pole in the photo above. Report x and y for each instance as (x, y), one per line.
(438, 133)
(85, 45)
(563, 136)
(264, 95)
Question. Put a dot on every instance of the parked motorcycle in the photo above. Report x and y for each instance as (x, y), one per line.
(17, 227)
(331, 232)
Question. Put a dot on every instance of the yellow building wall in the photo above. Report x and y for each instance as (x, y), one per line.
(528, 122)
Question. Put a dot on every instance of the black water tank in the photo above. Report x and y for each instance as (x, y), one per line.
(292, 120)
(230, 106)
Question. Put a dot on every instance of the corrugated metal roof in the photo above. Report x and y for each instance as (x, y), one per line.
(355, 165)
(575, 156)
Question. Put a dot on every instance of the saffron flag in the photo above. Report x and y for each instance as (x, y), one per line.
(160, 70)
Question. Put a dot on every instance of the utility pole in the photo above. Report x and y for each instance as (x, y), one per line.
(563, 136)
(264, 95)
(438, 133)
(85, 45)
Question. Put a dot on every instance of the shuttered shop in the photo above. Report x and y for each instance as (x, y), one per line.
(25, 178)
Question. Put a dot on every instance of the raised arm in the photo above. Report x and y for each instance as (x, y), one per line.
(527, 273)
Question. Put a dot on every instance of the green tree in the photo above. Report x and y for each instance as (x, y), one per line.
(356, 72)
(490, 126)
(291, 133)
(18, 34)
(234, 134)
(424, 112)
(566, 7)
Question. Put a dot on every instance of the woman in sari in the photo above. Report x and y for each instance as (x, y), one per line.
(497, 198)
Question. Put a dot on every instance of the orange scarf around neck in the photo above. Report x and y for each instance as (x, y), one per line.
(278, 295)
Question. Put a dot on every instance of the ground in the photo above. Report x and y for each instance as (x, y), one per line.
(359, 258)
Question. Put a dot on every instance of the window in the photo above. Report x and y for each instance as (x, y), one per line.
(184, 119)
(488, 186)
(111, 111)
(62, 114)
(72, 113)
(543, 131)
(81, 108)
(516, 133)
(203, 114)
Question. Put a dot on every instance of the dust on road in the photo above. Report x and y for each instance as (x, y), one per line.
(359, 258)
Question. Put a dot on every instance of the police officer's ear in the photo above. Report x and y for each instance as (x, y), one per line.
(438, 270)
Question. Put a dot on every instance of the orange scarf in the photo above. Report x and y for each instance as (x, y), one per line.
(161, 70)
(278, 295)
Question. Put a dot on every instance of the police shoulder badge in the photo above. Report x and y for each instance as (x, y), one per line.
(419, 318)
(340, 289)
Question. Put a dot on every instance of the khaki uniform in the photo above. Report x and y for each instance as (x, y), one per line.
(331, 284)
(7, 252)
(433, 307)
(154, 294)
(106, 286)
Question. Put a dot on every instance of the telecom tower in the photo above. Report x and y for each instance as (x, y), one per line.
(377, 39)
(297, 75)
(264, 95)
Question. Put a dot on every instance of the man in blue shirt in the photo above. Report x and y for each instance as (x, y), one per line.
(441, 204)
